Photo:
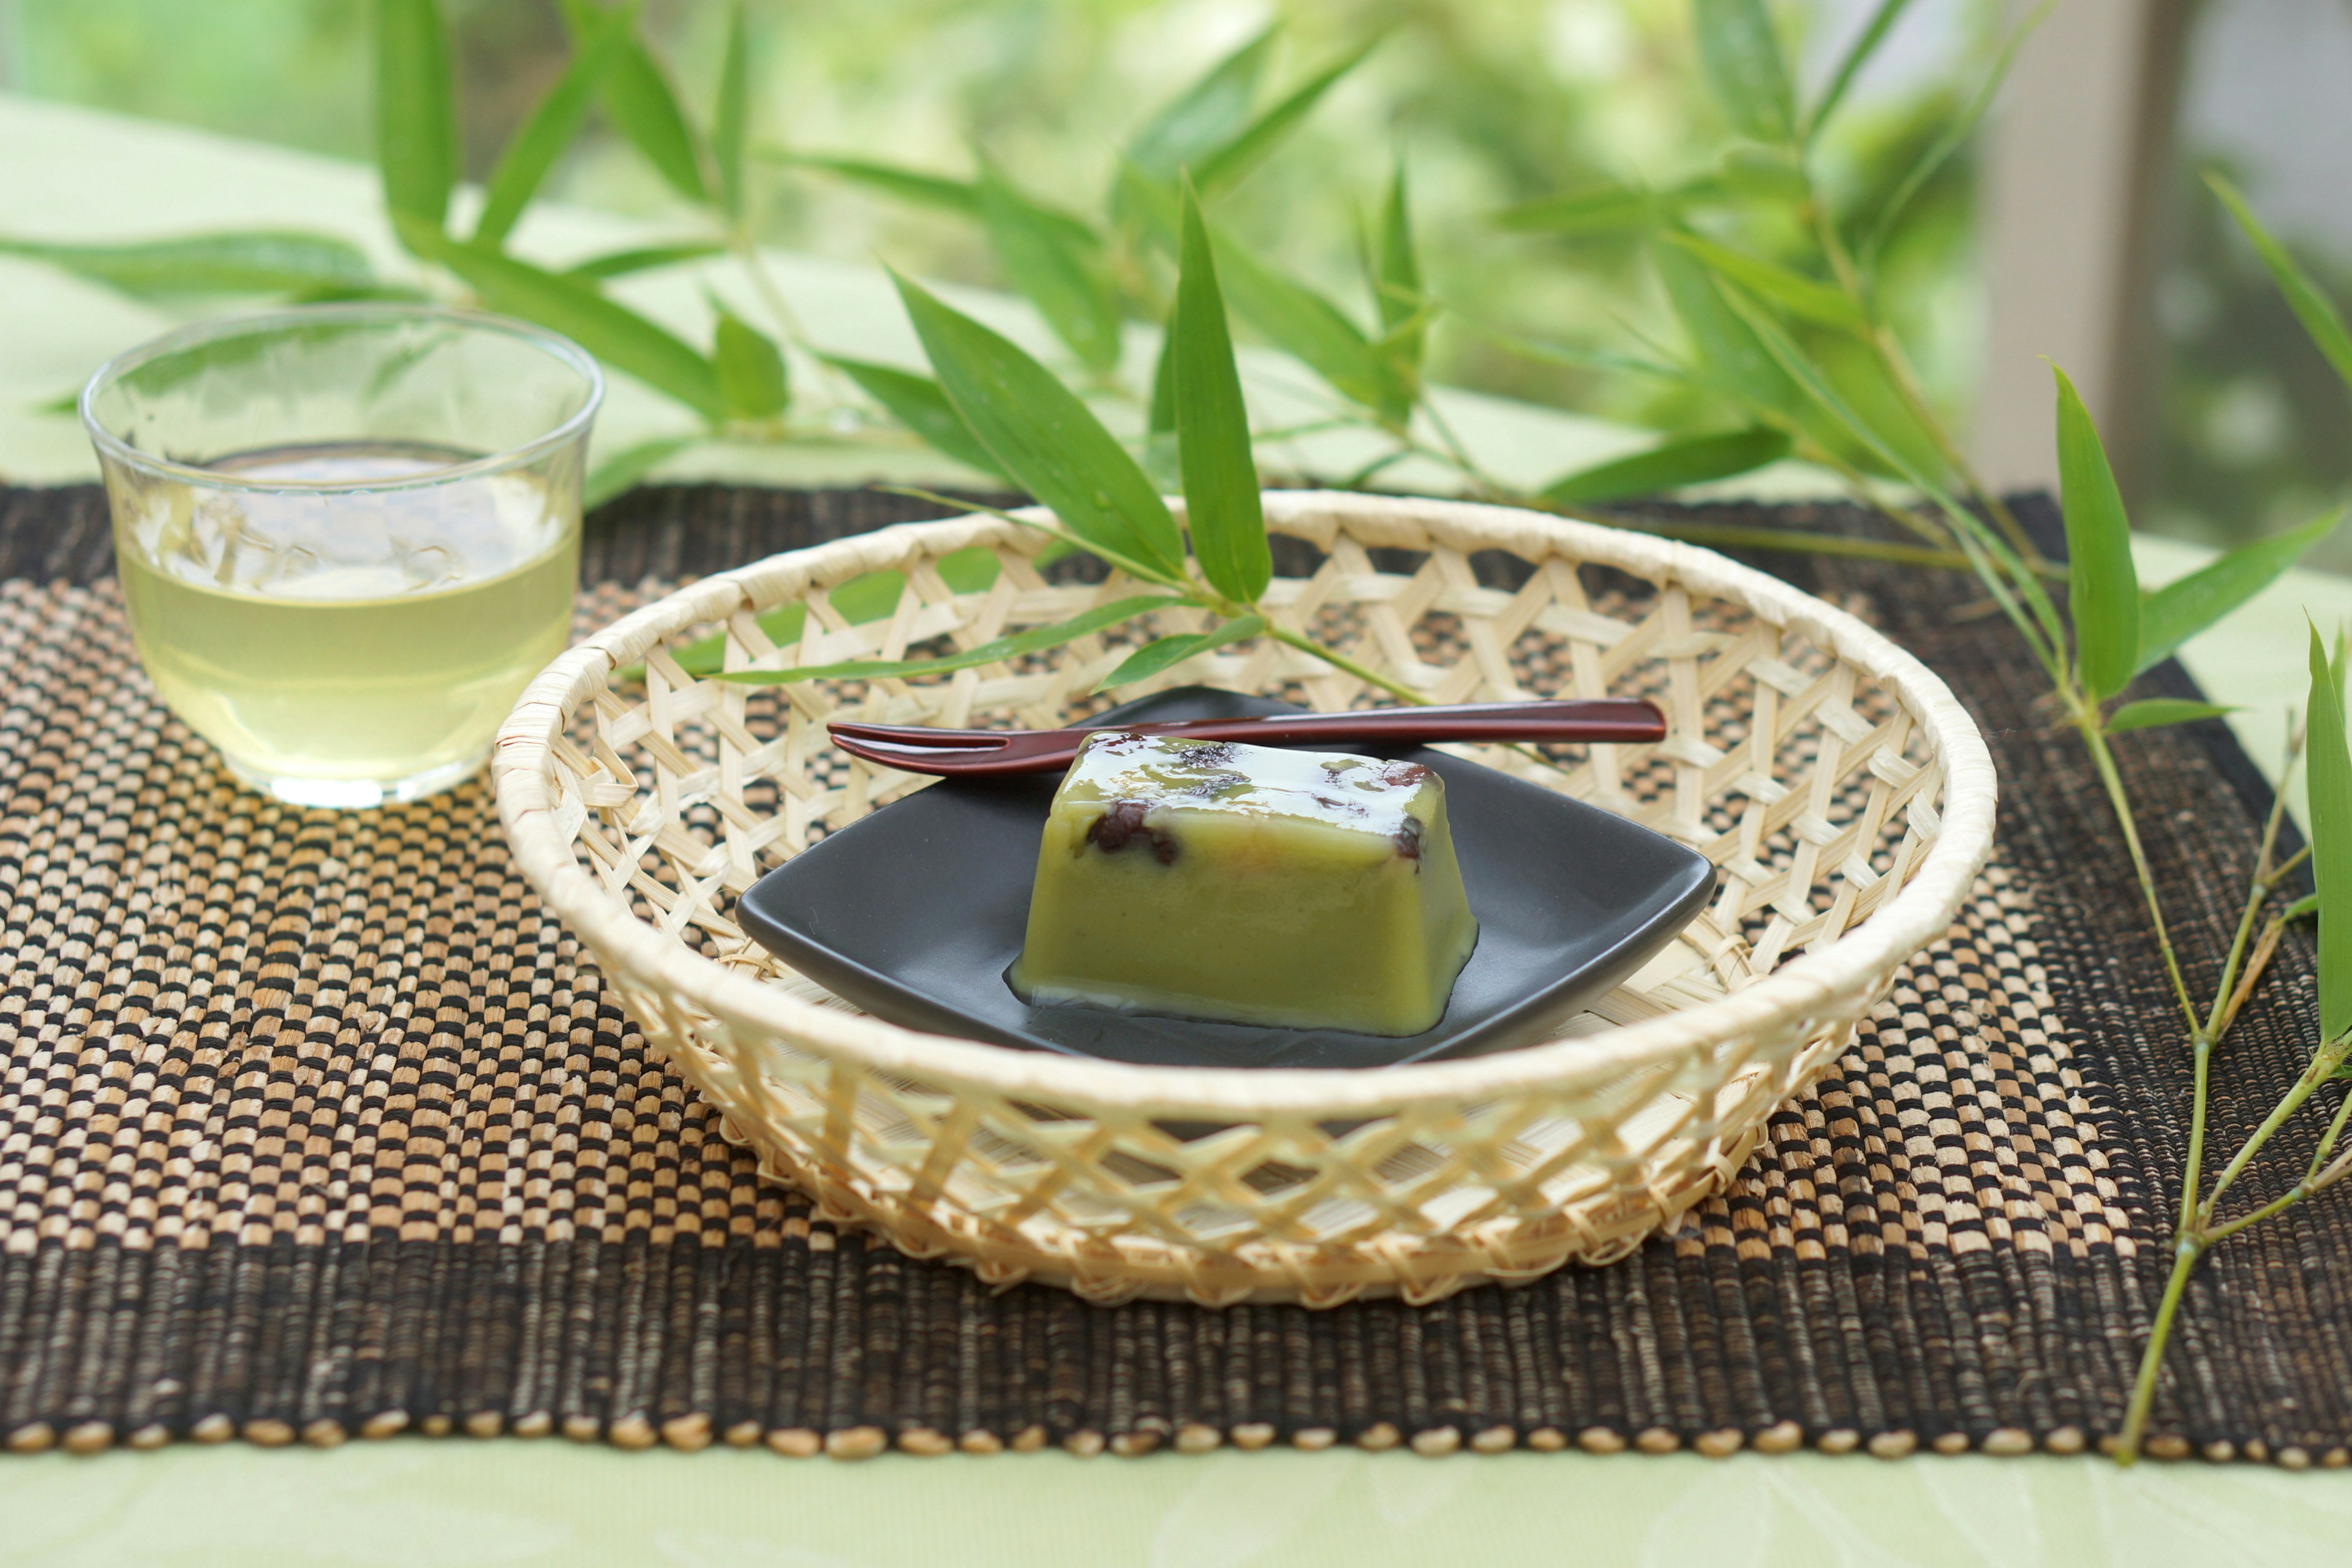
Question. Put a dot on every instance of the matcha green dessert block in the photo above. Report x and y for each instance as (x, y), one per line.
(1249, 884)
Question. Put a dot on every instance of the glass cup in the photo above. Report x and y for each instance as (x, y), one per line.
(348, 535)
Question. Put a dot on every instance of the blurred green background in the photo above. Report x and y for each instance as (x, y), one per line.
(1495, 101)
(2255, 434)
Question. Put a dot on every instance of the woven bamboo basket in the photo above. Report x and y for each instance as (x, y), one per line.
(1844, 792)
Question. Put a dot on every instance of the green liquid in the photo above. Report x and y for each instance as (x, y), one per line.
(377, 637)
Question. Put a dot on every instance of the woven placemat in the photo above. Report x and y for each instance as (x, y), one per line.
(315, 1125)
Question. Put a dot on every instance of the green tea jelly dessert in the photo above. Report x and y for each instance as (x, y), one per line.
(1250, 884)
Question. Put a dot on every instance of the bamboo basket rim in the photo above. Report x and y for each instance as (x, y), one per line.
(1812, 984)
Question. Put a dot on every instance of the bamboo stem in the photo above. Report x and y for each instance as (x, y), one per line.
(2187, 1253)
(2264, 951)
(1135, 569)
(2258, 889)
(2312, 1171)
(2318, 1070)
(1858, 489)
(2318, 1177)
(1888, 349)
(2086, 723)
(780, 311)
(1340, 661)
(2200, 1098)
(1459, 451)
(2195, 1234)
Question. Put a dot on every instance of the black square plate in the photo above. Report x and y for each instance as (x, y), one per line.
(915, 912)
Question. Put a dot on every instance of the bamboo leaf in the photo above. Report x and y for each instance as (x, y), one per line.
(1150, 204)
(732, 110)
(552, 125)
(2302, 908)
(639, 102)
(873, 597)
(1729, 352)
(2312, 307)
(646, 258)
(1792, 291)
(1160, 446)
(1035, 640)
(1044, 438)
(1742, 59)
(1398, 351)
(917, 402)
(1294, 318)
(1161, 418)
(2103, 589)
(333, 293)
(1236, 157)
(751, 369)
(2330, 781)
(1762, 173)
(1596, 209)
(1670, 465)
(962, 197)
(1303, 323)
(1583, 356)
(1957, 132)
(2157, 711)
(257, 261)
(1205, 115)
(1161, 653)
(1400, 293)
(1744, 174)
(2179, 610)
(971, 570)
(416, 115)
(623, 469)
(958, 196)
(612, 332)
(1849, 65)
(2013, 586)
(1222, 508)
(1066, 286)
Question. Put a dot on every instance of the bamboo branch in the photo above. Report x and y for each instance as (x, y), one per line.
(2086, 723)
(2318, 1070)
(1340, 661)
(2187, 1253)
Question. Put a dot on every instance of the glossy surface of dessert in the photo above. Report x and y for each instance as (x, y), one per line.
(1214, 880)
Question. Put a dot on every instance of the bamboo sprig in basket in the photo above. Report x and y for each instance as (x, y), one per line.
(1843, 790)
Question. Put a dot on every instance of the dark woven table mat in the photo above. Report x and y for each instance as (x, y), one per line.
(314, 1125)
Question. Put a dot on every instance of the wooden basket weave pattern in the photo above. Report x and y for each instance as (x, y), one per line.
(1844, 795)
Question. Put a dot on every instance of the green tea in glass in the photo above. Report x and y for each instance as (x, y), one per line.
(348, 535)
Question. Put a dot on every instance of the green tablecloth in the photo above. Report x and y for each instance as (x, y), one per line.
(460, 1503)
(72, 174)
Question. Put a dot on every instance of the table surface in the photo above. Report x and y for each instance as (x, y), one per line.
(73, 174)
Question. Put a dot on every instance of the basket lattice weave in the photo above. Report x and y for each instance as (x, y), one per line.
(1844, 792)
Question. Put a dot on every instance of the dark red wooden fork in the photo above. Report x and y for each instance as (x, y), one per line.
(980, 754)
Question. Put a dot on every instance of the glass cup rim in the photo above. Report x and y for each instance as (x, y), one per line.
(554, 344)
